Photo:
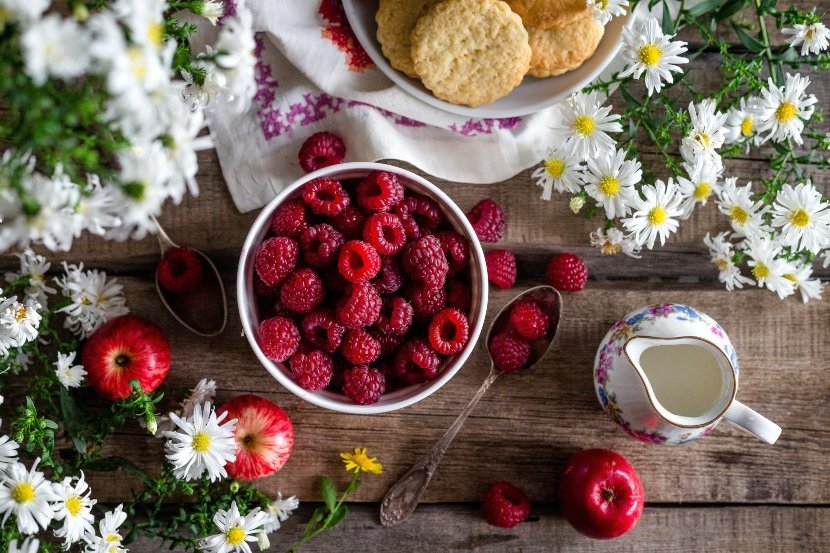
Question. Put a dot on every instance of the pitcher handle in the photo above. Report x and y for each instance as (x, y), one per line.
(743, 417)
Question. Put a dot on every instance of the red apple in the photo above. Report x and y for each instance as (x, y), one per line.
(601, 494)
(124, 349)
(264, 437)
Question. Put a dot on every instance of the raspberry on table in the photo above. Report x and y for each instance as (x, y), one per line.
(290, 219)
(322, 330)
(425, 262)
(449, 331)
(455, 248)
(426, 301)
(320, 244)
(510, 353)
(395, 316)
(275, 259)
(363, 385)
(359, 306)
(459, 295)
(325, 196)
(501, 268)
(385, 233)
(529, 320)
(487, 219)
(279, 338)
(390, 278)
(180, 270)
(416, 362)
(302, 291)
(312, 370)
(419, 215)
(504, 505)
(321, 150)
(349, 222)
(567, 273)
(359, 347)
(358, 261)
(380, 191)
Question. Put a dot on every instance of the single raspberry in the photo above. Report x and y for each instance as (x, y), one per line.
(321, 150)
(180, 270)
(426, 301)
(262, 290)
(567, 273)
(380, 191)
(385, 233)
(449, 331)
(504, 505)
(510, 353)
(303, 291)
(416, 362)
(320, 244)
(425, 262)
(313, 370)
(391, 277)
(322, 330)
(363, 384)
(325, 196)
(419, 215)
(275, 259)
(501, 268)
(389, 343)
(290, 219)
(459, 295)
(358, 261)
(456, 248)
(349, 222)
(359, 347)
(529, 320)
(395, 316)
(359, 306)
(487, 219)
(278, 338)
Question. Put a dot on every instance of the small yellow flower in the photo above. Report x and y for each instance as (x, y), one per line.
(360, 461)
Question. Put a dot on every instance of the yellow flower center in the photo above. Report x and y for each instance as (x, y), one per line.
(113, 538)
(610, 249)
(585, 125)
(23, 492)
(702, 191)
(201, 442)
(791, 278)
(760, 271)
(609, 186)
(746, 126)
(137, 62)
(650, 55)
(155, 33)
(555, 167)
(20, 313)
(74, 505)
(800, 218)
(721, 264)
(235, 535)
(657, 215)
(703, 139)
(738, 215)
(785, 112)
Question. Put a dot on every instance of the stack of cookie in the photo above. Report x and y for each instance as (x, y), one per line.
(474, 52)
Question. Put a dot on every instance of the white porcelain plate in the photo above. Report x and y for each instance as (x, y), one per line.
(529, 97)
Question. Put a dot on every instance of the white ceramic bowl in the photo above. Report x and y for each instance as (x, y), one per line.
(248, 305)
(529, 97)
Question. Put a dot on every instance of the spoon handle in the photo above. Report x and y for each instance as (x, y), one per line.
(403, 497)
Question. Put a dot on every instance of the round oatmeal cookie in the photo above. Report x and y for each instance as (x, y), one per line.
(470, 52)
(561, 49)
(395, 19)
(544, 14)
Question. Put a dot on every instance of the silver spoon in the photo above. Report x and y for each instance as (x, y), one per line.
(197, 311)
(403, 497)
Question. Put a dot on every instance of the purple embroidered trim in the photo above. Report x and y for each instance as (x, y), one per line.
(472, 127)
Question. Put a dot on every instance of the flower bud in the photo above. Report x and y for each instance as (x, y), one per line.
(234, 486)
(152, 425)
(264, 542)
(576, 203)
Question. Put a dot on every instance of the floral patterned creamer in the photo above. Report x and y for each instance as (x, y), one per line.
(624, 392)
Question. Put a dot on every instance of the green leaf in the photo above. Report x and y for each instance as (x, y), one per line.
(338, 517)
(750, 42)
(328, 493)
(73, 419)
(731, 8)
(668, 22)
(110, 464)
(704, 7)
(315, 519)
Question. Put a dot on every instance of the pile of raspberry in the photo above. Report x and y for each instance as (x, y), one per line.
(524, 327)
(364, 287)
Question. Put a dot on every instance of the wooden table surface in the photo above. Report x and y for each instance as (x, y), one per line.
(728, 492)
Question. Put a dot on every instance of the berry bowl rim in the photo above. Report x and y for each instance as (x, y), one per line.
(403, 397)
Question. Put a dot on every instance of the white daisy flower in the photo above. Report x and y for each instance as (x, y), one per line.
(810, 288)
(746, 216)
(610, 180)
(585, 125)
(235, 57)
(183, 141)
(205, 443)
(29, 545)
(19, 322)
(95, 299)
(26, 494)
(803, 217)
(54, 47)
(613, 241)
(707, 134)
(35, 267)
(68, 374)
(24, 11)
(768, 269)
(741, 123)
(721, 252)
(98, 211)
(108, 539)
(278, 512)
(655, 214)
(8, 452)
(144, 18)
(560, 172)
(204, 391)
(813, 38)
(605, 10)
(74, 508)
(701, 183)
(212, 10)
(650, 51)
(576, 204)
(236, 530)
(782, 111)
